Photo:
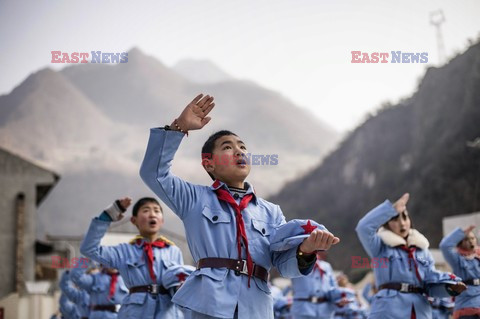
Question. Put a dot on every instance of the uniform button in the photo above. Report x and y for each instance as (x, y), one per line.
(134, 264)
(235, 196)
(318, 290)
(215, 218)
(263, 231)
(154, 258)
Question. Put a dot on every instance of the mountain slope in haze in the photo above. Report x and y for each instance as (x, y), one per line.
(201, 71)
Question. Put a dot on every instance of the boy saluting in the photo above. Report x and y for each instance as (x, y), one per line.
(229, 228)
(141, 263)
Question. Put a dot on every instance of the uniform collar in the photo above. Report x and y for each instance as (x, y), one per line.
(219, 184)
(415, 238)
(139, 240)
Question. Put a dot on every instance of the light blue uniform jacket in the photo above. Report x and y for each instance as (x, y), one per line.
(352, 310)
(399, 270)
(78, 296)
(67, 308)
(98, 286)
(442, 307)
(211, 232)
(467, 269)
(313, 285)
(131, 262)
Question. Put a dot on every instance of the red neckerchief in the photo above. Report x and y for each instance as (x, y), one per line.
(113, 283)
(224, 195)
(470, 254)
(411, 258)
(148, 249)
(320, 270)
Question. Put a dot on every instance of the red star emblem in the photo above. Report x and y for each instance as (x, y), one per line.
(181, 276)
(452, 276)
(309, 228)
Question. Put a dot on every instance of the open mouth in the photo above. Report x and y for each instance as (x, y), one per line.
(241, 161)
(152, 222)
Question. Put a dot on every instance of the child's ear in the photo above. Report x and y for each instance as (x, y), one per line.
(133, 220)
(208, 165)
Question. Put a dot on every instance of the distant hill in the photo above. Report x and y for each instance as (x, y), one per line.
(201, 71)
(418, 146)
(91, 123)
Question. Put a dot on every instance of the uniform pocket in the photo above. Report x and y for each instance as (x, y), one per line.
(262, 228)
(216, 216)
(168, 263)
(131, 264)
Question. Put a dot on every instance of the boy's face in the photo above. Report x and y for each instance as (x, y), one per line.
(229, 163)
(149, 219)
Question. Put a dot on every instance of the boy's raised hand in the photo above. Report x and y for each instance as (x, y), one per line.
(194, 116)
(118, 208)
(468, 229)
(125, 202)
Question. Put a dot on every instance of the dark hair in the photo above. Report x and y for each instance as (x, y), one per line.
(207, 149)
(388, 227)
(143, 201)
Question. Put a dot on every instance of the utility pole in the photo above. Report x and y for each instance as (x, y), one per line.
(436, 19)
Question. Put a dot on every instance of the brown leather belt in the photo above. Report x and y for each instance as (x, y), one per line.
(238, 265)
(472, 282)
(403, 287)
(151, 289)
(111, 308)
(312, 299)
(441, 307)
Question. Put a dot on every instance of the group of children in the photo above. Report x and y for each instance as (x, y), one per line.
(235, 238)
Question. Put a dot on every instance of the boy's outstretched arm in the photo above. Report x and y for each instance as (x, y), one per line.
(90, 247)
(176, 193)
(448, 245)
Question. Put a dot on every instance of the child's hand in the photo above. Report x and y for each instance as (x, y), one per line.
(118, 208)
(458, 288)
(125, 202)
(401, 204)
(194, 116)
(318, 240)
(468, 229)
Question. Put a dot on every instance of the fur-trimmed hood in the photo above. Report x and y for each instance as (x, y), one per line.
(415, 238)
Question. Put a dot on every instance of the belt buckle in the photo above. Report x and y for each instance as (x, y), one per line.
(404, 287)
(314, 299)
(241, 267)
(153, 289)
(476, 281)
(117, 307)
